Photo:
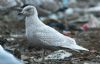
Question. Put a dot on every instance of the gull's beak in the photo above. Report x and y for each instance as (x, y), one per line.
(20, 13)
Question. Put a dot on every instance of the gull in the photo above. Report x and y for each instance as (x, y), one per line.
(8, 58)
(43, 36)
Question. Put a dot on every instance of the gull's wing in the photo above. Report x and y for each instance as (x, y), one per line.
(50, 36)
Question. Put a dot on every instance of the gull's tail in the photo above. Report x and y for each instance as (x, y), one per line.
(77, 47)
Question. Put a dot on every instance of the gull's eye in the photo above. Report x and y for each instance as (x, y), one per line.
(28, 9)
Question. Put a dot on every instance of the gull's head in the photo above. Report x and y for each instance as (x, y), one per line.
(29, 10)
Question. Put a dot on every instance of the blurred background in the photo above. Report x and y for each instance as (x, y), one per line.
(79, 19)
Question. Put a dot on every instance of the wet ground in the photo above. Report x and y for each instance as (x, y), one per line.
(13, 39)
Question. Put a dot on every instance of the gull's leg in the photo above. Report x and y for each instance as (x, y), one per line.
(43, 55)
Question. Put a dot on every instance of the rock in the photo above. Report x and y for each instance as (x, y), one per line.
(58, 55)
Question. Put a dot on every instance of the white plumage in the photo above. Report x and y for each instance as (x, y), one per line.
(7, 58)
(42, 35)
